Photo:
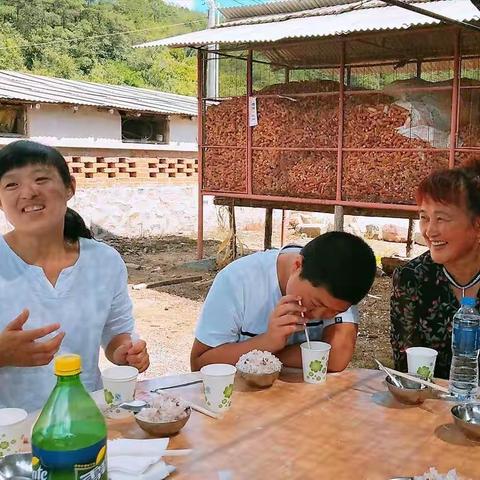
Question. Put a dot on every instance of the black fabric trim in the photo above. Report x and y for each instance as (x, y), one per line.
(248, 334)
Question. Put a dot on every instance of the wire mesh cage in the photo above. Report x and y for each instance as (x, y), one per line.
(353, 121)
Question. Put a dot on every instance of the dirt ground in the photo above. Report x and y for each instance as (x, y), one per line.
(166, 315)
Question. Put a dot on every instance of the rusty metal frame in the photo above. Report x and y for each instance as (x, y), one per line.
(340, 148)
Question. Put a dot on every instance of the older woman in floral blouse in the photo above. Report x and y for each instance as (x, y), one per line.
(427, 290)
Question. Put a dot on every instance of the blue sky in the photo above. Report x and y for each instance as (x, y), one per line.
(200, 5)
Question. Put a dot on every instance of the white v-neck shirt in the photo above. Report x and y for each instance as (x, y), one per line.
(90, 301)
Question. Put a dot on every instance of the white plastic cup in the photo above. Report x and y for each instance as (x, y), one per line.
(421, 361)
(315, 361)
(13, 429)
(119, 384)
(218, 381)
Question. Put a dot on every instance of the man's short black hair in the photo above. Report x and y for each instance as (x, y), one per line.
(340, 262)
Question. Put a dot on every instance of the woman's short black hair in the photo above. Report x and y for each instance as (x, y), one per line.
(25, 152)
(342, 263)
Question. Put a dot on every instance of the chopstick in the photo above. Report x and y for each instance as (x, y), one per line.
(177, 452)
(433, 386)
(391, 376)
(200, 409)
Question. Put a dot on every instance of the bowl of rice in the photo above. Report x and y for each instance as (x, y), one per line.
(433, 474)
(166, 416)
(259, 369)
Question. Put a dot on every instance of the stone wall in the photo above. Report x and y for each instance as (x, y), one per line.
(144, 210)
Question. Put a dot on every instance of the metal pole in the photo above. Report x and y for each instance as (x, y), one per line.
(339, 218)
(212, 65)
(200, 115)
(455, 95)
(249, 128)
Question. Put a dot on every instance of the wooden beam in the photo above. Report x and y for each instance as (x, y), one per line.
(339, 218)
(174, 281)
(409, 248)
(303, 207)
(267, 241)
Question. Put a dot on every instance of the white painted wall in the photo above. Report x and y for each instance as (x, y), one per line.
(60, 126)
(183, 130)
(55, 123)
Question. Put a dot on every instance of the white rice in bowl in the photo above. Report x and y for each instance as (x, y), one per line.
(432, 474)
(259, 362)
(165, 408)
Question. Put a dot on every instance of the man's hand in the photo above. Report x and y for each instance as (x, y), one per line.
(284, 321)
(133, 354)
(23, 348)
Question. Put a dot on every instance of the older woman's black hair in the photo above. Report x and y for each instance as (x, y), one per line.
(24, 152)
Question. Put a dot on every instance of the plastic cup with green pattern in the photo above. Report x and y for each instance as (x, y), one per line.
(119, 384)
(13, 429)
(218, 380)
(315, 361)
(421, 361)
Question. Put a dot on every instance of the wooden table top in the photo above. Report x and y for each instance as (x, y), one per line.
(349, 428)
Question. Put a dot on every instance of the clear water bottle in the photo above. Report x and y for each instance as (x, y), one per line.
(465, 344)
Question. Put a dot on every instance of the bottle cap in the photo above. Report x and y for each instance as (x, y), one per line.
(468, 302)
(68, 365)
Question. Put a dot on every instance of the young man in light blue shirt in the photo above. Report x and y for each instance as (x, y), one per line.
(257, 302)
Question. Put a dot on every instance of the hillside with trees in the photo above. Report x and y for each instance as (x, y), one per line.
(92, 40)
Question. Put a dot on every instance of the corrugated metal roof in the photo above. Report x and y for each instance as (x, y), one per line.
(278, 7)
(361, 20)
(281, 7)
(39, 89)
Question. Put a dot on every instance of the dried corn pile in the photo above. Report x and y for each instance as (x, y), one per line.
(371, 121)
(224, 168)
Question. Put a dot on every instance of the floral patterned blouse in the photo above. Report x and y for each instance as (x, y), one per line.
(421, 311)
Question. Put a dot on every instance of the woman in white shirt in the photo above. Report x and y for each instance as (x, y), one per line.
(60, 290)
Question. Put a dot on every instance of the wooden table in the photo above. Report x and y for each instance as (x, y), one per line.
(349, 428)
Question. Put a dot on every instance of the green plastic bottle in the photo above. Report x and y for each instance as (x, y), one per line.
(69, 439)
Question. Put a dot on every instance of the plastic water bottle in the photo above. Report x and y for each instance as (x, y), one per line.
(465, 344)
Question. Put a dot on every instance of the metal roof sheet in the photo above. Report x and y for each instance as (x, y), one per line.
(281, 7)
(323, 25)
(39, 89)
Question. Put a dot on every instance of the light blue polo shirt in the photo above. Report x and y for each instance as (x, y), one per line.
(90, 301)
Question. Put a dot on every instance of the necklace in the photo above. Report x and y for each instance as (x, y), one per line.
(471, 283)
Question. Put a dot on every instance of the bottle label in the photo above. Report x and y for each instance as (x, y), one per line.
(88, 463)
(465, 339)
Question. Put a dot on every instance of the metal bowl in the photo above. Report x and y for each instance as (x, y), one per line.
(260, 380)
(411, 393)
(17, 466)
(467, 418)
(164, 429)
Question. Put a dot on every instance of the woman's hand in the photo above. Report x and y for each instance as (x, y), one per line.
(131, 353)
(23, 348)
